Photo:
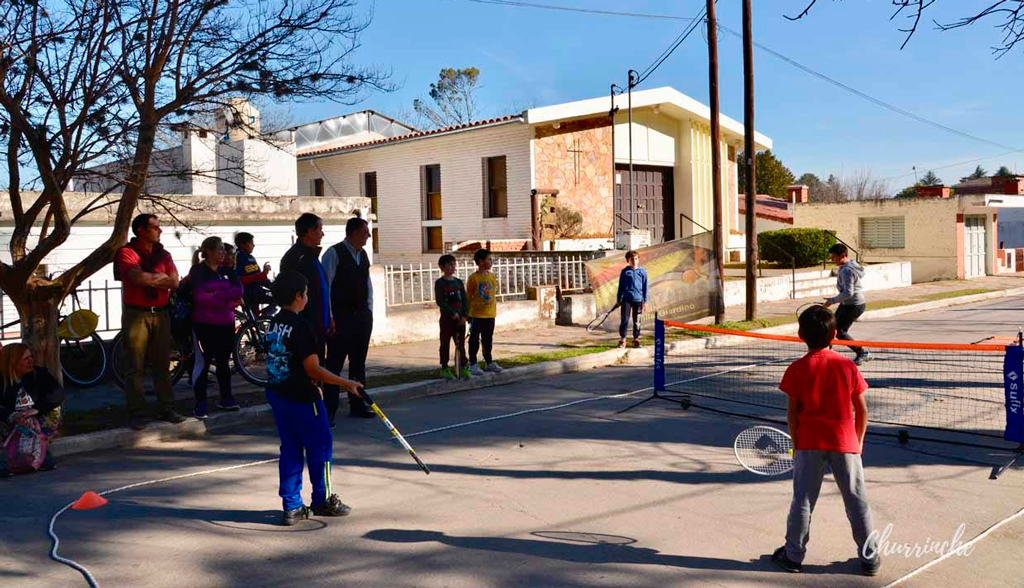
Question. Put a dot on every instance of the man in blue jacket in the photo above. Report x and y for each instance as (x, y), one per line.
(632, 297)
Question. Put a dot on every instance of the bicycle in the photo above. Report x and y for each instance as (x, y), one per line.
(181, 357)
(250, 352)
(83, 356)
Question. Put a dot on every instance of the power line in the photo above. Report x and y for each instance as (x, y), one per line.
(868, 97)
(672, 47)
(790, 61)
(957, 164)
(517, 4)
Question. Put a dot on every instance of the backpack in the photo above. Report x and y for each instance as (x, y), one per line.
(25, 448)
(181, 310)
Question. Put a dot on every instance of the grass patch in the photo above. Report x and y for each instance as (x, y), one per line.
(955, 294)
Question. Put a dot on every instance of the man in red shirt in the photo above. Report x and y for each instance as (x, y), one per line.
(828, 418)
(148, 275)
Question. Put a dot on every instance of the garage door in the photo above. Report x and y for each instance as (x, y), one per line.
(974, 246)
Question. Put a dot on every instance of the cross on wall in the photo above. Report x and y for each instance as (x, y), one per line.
(576, 151)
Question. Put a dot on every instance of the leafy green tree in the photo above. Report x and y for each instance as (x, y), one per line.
(772, 175)
(1003, 172)
(930, 179)
(908, 192)
(452, 95)
(978, 173)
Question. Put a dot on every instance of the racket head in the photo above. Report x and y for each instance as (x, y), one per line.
(800, 309)
(765, 451)
(600, 319)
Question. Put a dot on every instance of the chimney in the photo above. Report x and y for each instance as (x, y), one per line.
(238, 119)
(798, 193)
(933, 191)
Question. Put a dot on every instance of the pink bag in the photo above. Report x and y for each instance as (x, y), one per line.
(25, 448)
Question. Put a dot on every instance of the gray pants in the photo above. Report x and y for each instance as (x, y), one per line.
(808, 471)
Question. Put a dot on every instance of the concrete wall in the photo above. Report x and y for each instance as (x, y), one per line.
(400, 207)
(930, 226)
(811, 283)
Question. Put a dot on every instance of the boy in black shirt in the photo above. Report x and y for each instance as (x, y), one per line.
(297, 402)
(450, 295)
(255, 282)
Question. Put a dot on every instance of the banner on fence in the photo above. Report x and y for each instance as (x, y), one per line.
(682, 279)
(1013, 373)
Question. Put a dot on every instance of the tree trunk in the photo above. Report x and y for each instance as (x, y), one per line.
(39, 332)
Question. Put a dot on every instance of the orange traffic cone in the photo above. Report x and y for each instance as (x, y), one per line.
(88, 501)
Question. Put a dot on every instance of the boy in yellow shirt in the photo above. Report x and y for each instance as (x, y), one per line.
(482, 289)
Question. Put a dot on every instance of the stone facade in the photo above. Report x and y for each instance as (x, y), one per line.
(576, 160)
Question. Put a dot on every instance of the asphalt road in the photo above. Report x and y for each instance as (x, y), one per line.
(578, 496)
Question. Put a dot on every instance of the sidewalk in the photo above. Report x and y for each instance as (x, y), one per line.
(394, 364)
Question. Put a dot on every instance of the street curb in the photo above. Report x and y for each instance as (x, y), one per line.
(156, 433)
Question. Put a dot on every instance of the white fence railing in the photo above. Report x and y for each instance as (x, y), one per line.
(104, 300)
(408, 284)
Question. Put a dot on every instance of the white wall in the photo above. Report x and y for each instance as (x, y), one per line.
(399, 205)
(654, 138)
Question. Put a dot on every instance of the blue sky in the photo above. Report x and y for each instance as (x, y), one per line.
(539, 57)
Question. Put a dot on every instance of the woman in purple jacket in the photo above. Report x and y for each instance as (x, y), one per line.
(215, 290)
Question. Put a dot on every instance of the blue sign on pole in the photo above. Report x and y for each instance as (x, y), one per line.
(1013, 380)
(659, 355)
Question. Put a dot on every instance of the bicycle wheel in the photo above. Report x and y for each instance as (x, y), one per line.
(251, 351)
(83, 362)
(119, 361)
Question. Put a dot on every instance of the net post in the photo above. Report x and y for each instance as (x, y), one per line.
(659, 354)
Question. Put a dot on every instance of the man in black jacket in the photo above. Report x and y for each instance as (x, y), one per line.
(304, 257)
(347, 267)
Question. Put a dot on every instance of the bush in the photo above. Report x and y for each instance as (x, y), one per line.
(808, 246)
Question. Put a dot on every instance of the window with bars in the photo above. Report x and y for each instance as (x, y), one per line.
(886, 232)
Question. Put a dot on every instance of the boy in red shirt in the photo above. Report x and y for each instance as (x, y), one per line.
(828, 418)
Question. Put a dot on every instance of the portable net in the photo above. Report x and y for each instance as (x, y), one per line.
(948, 387)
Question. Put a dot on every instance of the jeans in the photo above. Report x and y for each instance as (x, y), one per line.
(625, 310)
(481, 330)
(212, 346)
(147, 335)
(808, 471)
(351, 341)
(846, 314)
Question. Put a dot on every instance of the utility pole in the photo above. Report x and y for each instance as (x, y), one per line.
(749, 160)
(632, 82)
(716, 161)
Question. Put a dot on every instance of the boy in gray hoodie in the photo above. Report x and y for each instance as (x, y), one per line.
(850, 297)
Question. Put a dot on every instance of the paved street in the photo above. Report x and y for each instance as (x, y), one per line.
(577, 497)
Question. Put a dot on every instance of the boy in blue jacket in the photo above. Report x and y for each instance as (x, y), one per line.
(632, 297)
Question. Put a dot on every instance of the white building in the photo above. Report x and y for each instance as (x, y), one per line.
(472, 183)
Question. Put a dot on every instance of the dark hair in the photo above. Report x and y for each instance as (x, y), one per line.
(817, 327)
(140, 222)
(480, 255)
(445, 260)
(631, 254)
(306, 223)
(287, 285)
(229, 248)
(242, 239)
(838, 249)
(354, 224)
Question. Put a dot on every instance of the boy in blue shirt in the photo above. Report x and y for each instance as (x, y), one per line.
(255, 282)
(632, 297)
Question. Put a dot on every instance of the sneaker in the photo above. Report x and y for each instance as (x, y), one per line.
(636, 343)
(863, 358)
(170, 416)
(782, 560)
(360, 413)
(871, 568)
(622, 343)
(228, 403)
(474, 370)
(6, 473)
(137, 423)
(201, 411)
(333, 507)
(290, 517)
(446, 373)
(332, 425)
(493, 367)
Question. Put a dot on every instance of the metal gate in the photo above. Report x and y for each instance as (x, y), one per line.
(974, 246)
(653, 201)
